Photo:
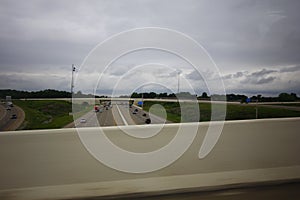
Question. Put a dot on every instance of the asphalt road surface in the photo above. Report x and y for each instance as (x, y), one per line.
(118, 114)
(6, 121)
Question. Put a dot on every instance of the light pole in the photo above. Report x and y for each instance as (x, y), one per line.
(257, 98)
(256, 114)
(178, 74)
(142, 100)
(72, 79)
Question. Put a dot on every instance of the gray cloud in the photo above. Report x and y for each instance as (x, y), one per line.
(256, 77)
(48, 36)
(194, 75)
(262, 72)
(291, 69)
(23, 81)
(265, 80)
(235, 75)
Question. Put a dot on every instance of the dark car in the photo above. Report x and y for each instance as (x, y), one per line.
(14, 116)
(148, 121)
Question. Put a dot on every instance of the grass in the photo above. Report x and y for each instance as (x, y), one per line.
(237, 112)
(172, 109)
(80, 110)
(45, 114)
(233, 112)
(287, 104)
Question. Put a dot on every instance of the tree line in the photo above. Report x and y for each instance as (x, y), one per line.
(50, 93)
(282, 97)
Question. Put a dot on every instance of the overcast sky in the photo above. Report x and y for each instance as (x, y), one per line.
(254, 43)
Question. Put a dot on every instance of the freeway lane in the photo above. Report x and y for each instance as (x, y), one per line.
(8, 124)
(3, 112)
(139, 117)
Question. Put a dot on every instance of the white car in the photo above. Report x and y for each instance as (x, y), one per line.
(82, 120)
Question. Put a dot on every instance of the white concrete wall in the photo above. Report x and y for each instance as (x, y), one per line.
(56, 164)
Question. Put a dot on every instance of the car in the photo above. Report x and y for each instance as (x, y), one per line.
(134, 112)
(148, 121)
(144, 115)
(8, 108)
(82, 120)
(14, 116)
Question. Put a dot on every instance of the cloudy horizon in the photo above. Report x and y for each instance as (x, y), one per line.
(255, 44)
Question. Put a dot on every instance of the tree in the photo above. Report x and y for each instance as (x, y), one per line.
(294, 95)
(287, 97)
(204, 95)
(136, 95)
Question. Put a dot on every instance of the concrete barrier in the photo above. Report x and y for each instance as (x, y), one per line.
(53, 164)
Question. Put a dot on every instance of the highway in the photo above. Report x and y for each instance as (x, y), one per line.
(118, 114)
(54, 164)
(6, 122)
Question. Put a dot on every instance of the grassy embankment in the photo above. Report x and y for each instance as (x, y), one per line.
(233, 112)
(48, 114)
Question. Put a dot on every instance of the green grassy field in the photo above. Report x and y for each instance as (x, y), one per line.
(287, 104)
(233, 112)
(46, 114)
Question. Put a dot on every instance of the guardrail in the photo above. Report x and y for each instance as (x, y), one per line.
(53, 164)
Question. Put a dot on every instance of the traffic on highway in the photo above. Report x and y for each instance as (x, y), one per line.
(118, 113)
(11, 116)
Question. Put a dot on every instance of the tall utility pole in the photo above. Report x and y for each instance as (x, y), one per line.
(142, 100)
(256, 113)
(258, 97)
(178, 73)
(72, 80)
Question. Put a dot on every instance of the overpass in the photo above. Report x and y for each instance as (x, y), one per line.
(54, 164)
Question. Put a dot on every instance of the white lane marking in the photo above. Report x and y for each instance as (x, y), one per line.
(123, 118)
